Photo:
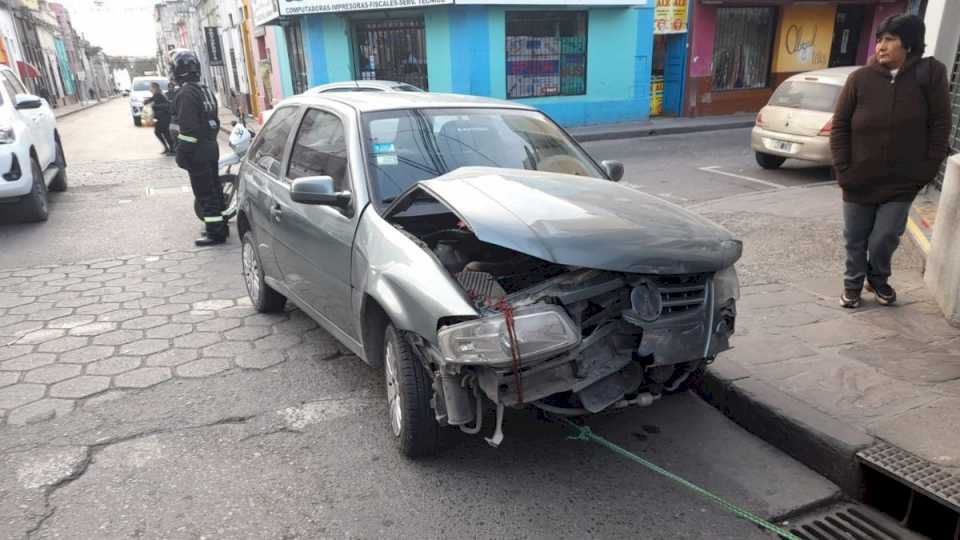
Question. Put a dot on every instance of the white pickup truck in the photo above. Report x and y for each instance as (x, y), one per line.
(31, 155)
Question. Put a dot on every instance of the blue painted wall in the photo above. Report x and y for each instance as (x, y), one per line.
(466, 53)
(286, 80)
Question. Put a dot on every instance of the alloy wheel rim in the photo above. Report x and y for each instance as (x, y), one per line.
(393, 389)
(251, 272)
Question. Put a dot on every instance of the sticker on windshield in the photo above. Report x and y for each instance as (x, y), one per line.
(384, 148)
(387, 159)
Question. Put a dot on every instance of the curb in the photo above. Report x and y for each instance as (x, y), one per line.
(75, 111)
(651, 131)
(822, 443)
(920, 231)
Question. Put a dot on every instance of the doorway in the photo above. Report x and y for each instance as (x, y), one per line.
(846, 35)
(666, 77)
(393, 50)
(298, 62)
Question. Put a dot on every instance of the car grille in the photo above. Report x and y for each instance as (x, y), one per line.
(681, 294)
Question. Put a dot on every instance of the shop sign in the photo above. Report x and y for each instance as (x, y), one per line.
(656, 95)
(305, 7)
(804, 38)
(670, 17)
(265, 11)
(558, 3)
(214, 49)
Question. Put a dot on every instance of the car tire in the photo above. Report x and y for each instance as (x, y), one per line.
(263, 297)
(409, 393)
(59, 182)
(769, 161)
(136, 121)
(34, 206)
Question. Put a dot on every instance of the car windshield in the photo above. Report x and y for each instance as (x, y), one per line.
(406, 146)
(144, 85)
(809, 96)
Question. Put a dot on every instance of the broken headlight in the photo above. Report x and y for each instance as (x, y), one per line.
(726, 285)
(541, 331)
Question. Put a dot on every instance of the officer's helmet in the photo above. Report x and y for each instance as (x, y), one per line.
(185, 66)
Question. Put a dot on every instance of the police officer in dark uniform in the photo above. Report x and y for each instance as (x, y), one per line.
(197, 151)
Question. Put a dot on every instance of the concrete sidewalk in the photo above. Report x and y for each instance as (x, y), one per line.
(628, 130)
(662, 126)
(825, 384)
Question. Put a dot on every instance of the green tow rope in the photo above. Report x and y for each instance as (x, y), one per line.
(585, 434)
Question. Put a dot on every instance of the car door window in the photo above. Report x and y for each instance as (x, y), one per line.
(267, 151)
(320, 149)
(17, 85)
(10, 90)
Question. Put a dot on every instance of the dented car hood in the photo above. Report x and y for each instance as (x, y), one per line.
(580, 221)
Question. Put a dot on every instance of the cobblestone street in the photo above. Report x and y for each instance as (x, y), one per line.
(84, 333)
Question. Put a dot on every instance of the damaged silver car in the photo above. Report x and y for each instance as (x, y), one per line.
(476, 252)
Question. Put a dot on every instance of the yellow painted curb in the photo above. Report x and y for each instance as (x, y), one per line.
(918, 236)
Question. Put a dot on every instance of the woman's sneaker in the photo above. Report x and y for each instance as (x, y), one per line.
(850, 298)
(885, 294)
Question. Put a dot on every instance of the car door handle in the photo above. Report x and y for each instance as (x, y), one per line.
(276, 212)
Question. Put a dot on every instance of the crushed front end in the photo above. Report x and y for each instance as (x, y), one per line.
(580, 342)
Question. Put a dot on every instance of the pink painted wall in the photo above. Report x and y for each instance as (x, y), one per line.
(703, 26)
(275, 83)
(880, 14)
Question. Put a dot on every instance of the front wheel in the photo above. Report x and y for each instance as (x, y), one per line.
(59, 182)
(409, 391)
(136, 121)
(262, 296)
(769, 161)
(34, 207)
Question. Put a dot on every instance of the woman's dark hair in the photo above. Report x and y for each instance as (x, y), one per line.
(154, 85)
(909, 28)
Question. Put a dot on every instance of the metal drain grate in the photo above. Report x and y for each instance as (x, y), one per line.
(918, 474)
(848, 522)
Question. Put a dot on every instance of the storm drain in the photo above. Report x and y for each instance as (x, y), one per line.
(848, 521)
(921, 495)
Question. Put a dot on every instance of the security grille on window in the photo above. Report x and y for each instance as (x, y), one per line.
(546, 53)
(742, 47)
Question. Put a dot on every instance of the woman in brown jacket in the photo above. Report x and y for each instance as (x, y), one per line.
(890, 134)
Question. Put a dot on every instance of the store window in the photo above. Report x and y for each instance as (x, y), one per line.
(546, 53)
(742, 47)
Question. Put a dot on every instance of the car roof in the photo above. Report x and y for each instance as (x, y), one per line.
(837, 75)
(358, 84)
(385, 101)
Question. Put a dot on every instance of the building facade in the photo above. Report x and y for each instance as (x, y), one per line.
(584, 63)
(741, 50)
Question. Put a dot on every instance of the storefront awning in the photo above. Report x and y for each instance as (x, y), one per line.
(27, 70)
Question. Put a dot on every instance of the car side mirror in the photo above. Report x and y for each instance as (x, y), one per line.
(319, 190)
(27, 101)
(614, 169)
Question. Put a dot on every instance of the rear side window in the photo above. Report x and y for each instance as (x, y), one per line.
(267, 151)
(809, 96)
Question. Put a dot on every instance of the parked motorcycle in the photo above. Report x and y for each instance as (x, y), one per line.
(239, 141)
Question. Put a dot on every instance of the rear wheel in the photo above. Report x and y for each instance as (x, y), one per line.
(768, 161)
(263, 297)
(59, 182)
(33, 207)
(409, 391)
(136, 121)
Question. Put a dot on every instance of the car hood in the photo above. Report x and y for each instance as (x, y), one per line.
(140, 95)
(579, 221)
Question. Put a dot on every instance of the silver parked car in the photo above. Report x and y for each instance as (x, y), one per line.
(474, 250)
(797, 121)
